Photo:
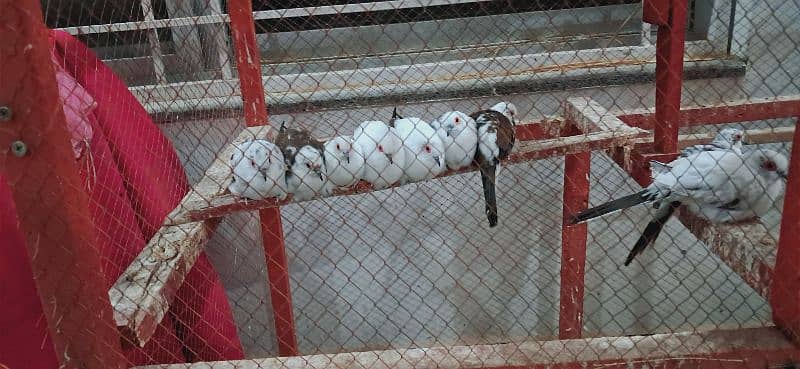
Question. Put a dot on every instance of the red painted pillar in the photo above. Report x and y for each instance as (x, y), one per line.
(785, 288)
(52, 208)
(248, 62)
(669, 69)
(573, 245)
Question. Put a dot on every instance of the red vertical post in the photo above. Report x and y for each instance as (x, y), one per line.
(248, 63)
(573, 244)
(785, 288)
(52, 208)
(669, 76)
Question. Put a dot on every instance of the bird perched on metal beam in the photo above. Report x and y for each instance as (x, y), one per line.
(259, 170)
(383, 152)
(460, 137)
(726, 139)
(291, 140)
(425, 151)
(305, 160)
(495, 142)
(721, 186)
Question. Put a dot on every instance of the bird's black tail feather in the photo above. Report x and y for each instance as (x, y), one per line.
(652, 231)
(612, 206)
(489, 196)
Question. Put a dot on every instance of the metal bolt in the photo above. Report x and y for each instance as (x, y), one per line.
(19, 148)
(5, 114)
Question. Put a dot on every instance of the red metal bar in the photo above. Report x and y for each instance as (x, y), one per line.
(573, 244)
(52, 208)
(669, 74)
(656, 12)
(248, 61)
(785, 290)
(726, 112)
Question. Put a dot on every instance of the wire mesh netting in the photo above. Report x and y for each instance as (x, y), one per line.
(153, 111)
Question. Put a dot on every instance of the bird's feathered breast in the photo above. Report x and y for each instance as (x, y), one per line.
(501, 126)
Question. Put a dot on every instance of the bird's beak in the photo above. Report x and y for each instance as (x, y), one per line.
(783, 175)
(318, 170)
(449, 131)
(390, 158)
(436, 159)
(347, 157)
(745, 141)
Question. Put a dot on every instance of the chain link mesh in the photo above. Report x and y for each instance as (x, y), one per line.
(415, 265)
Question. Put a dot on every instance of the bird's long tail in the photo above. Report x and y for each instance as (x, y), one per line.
(489, 196)
(652, 230)
(612, 206)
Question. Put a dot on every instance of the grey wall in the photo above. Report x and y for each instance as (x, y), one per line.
(418, 266)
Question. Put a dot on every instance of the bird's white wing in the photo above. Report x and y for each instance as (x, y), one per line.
(708, 178)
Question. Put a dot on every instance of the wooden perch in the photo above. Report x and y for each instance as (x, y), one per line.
(143, 293)
(746, 247)
(210, 198)
(719, 348)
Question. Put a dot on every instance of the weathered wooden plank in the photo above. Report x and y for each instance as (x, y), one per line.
(733, 348)
(746, 247)
(753, 136)
(143, 293)
(588, 115)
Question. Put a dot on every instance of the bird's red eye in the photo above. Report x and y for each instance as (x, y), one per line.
(380, 148)
(428, 148)
(458, 120)
(308, 165)
(337, 147)
(770, 166)
(252, 162)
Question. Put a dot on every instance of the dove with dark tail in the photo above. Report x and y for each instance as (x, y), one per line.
(394, 118)
(652, 230)
(495, 142)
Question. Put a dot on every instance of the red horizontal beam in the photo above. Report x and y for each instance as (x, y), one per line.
(728, 112)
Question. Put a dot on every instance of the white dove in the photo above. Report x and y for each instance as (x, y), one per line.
(382, 149)
(425, 153)
(721, 186)
(306, 178)
(258, 170)
(343, 164)
(460, 136)
(726, 139)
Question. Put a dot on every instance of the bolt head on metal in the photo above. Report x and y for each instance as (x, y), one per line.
(5, 113)
(19, 148)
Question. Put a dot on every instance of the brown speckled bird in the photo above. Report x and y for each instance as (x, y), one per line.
(291, 140)
(495, 142)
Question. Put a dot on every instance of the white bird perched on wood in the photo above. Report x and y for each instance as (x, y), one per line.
(459, 133)
(495, 142)
(508, 109)
(383, 152)
(306, 178)
(726, 139)
(425, 153)
(344, 165)
(721, 186)
(258, 170)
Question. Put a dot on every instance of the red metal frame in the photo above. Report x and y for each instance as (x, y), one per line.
(51, 205)
(248, 60)
(785, 288)
(573, 242)
(669, 74)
